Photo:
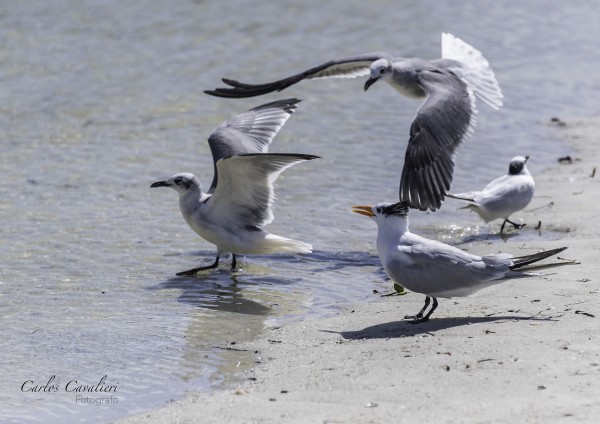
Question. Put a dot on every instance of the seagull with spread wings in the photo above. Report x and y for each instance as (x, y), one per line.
(447, 86)
(237, 205)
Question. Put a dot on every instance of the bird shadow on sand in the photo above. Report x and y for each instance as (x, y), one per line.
(397, 329)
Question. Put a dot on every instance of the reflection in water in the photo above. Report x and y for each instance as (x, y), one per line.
(208, 292)
(229, 308)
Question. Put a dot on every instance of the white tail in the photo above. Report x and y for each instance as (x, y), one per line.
(277, 244)
(478, 74)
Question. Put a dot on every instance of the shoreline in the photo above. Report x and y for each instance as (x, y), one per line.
(521, 351)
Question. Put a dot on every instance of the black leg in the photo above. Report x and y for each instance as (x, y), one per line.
(202, 268)
(421, 312)
(422, 318)
(514, 224)
(433, 308)
(502, 227)
(233, 262)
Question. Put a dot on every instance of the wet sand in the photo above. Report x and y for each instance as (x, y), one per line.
(523, 351)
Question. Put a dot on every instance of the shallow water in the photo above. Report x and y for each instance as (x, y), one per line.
(98, 99)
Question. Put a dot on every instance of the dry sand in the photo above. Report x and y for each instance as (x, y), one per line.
(525, 351)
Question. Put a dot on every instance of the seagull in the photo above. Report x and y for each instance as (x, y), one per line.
(436, 269)
(447, 87)
(504, 196)
(233, 211)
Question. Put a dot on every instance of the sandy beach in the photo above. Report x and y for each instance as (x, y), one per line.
(522, 351)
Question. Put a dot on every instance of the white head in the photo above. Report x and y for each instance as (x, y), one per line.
(384, 214)
(182, 183)
(380, 69)
(517, 165)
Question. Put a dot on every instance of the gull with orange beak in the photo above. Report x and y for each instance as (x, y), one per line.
(436, 269)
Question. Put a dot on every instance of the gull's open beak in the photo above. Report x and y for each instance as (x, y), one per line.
(160, 184)
(363, 210)
(370, 82)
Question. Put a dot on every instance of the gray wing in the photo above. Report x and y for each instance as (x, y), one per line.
(347, 67)
(249, 132)
(443, 122)
(440, 270)
(245, 193)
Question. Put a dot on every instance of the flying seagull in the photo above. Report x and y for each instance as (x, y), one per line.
(504, 196)
(447, 86)
(233, 211)
(436, 269)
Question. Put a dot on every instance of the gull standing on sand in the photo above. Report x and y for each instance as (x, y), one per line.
(444, 120)
(504, 196)
(233, 211)
(433, 268)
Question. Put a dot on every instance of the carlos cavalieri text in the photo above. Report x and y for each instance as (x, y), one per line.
(72, 386)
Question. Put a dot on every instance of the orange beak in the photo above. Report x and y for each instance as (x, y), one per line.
(363, 210)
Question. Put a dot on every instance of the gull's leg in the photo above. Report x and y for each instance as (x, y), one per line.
(233, 262)
(514, 224)
(503, 224)
(202, 268)
(421, 312)
(426, 317)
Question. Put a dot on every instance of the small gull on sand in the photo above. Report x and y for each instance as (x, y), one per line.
(436, 269)
(503, 196)
(444, 120)
(233, 211)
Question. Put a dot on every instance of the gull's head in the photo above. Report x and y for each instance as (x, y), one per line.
(182, 183)
(517, 165)
(380, 69)
(385, 212)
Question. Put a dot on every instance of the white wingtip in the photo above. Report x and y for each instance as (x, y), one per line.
(478, 73)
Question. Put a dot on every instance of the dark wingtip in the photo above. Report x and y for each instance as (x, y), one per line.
(522, 261)
(231, 93)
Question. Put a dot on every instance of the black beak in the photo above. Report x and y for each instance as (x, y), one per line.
(160, 184)
(526, 158)
(370, 82)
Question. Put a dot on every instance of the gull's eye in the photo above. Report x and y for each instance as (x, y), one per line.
(378, 210)
(382, 71)
(178, 180)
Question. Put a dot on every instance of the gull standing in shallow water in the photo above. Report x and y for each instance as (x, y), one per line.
(433, 268)
(504, 196)
(231, 213)
(446, 118)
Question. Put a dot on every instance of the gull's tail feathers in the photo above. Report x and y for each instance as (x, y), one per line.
(521, 261)
(478, 75)
(277, 244)
(467, 197)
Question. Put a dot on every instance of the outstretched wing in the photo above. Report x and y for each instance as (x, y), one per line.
(249, 132)
(443, 122)
(245, 192)
(347, 67)
(473, 68)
